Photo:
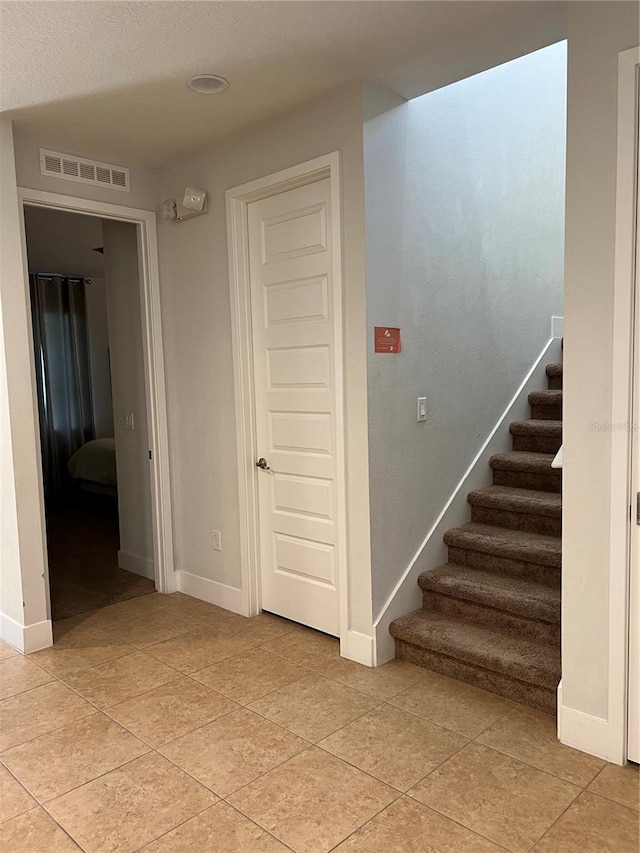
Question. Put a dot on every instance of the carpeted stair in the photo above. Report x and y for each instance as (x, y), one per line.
(491, 615)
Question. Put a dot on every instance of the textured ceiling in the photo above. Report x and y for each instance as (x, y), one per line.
(108, 78)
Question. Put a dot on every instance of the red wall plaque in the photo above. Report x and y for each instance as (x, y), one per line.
(387, 339)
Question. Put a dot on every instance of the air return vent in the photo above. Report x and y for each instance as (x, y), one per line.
(85, 171)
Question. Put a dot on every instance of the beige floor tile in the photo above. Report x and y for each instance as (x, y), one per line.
(210, 615)
(305, 647)
(19, 674)
(502, 799)
(198, 649)
(220, 829)
(57, 762)
(453, 704)
(620, 784)
(121, 679)
(14, 800)
(410, 827)
(151, 628)
(78, 646)
(131, 806)
(43, 709)
(249, 676)
(313, 801)
(265, 628)
(383, 681)
(170, 711)
(142, 605)
(531, 736)
(7, 651)
(233, 751)
(593, 825)
(394, 746)
(34, 832)
(314, 707)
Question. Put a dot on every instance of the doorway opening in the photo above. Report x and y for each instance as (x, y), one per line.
(98, 383)
(91, 403)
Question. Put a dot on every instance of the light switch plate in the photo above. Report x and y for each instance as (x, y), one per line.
(216, 537)
(421, 408)
(128, 421)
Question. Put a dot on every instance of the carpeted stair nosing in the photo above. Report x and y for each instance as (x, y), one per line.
(524, 461)
(512, 499)
(549, 429)
(520, 596)
(525, 660)
(503, 542)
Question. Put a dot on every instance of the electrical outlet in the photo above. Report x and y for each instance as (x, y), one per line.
(217, 540)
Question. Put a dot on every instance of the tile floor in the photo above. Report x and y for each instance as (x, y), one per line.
(168, 725)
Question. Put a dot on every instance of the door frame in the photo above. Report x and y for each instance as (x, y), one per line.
(625, 333)
(237, 201)
(153, 349)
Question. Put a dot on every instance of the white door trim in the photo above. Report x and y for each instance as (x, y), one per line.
(622, 402)
(238, 199)
(145, 221)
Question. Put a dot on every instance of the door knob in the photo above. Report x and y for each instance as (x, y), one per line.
(262, 463)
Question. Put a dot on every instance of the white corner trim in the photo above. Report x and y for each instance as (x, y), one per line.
(557, 327)
(587, 733)
(136, 564)
(26, 638)
(406, 595)
(213, 592)
(358, 647)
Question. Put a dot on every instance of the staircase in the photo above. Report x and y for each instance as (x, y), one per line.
(491, 615)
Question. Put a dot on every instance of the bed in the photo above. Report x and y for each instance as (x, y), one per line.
(93, 467)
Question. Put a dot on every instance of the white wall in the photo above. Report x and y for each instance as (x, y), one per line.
(465, 210)
(196, 322)
(60, 242)
(144, 181)
(597, 32)
(24, 599)
(128, 385)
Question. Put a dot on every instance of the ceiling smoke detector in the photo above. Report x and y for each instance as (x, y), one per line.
(207, 84)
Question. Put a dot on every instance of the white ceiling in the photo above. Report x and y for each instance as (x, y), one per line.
(108, 78)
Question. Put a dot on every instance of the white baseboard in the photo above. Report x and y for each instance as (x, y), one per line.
(406, 595)
(229, 597)
(586, 733)
(358, 647)
(136, 564)
(26, 638)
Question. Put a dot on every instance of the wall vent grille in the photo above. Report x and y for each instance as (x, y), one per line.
(85, 171)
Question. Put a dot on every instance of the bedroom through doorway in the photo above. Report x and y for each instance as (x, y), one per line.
(89, 364)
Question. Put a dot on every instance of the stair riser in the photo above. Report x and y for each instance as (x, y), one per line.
(505, 565)
(546, 413)
(555, 383)
(537, 443)
(498, 620)
(526, 522)
(544, 699)
(551, 482)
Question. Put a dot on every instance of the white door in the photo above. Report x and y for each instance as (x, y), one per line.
(294, 348)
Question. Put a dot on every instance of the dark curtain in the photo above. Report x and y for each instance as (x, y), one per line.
(62, 372)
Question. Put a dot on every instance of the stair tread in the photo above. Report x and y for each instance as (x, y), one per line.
(521, 596)
(513, 499)
(528, 661)
(546, 398)
(554, 369)
(523, 460)
(536, 427)
(504, 542)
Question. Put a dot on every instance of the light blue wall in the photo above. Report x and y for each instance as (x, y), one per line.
(464, 198)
